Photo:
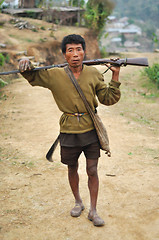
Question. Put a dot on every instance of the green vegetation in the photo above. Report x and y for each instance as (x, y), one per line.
(34, 30)
(2, 83)
(31, 14)
(29, 40)
(1, 2)
(76, 3)
(103, 52)
(2, 59)
(139, 100)
(96, 13)
(14, 158)
(42, 28)
(3, 96)
(153, 73)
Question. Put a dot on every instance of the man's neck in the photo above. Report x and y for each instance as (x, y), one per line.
(76, 70)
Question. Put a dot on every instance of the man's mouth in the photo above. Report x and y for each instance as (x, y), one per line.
(75, 61)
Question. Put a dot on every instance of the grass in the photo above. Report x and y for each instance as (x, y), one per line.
(14, 158)
(142, 119)
(11, 211)
(139, 100)
(22, 38)
(3, 96)
(28, 40)
(28, 164)
(12, 36)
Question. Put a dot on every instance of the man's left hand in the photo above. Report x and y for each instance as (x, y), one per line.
(115, 69)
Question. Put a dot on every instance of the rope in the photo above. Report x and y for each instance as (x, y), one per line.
(107, 69)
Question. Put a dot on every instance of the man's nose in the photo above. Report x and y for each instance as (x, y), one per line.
(75, 53)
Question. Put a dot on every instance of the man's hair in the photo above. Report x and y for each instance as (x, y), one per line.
(72, 38)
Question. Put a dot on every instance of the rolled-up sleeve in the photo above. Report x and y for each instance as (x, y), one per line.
(108, 95)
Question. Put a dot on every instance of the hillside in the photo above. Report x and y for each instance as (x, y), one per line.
(35, 195)
(145, 10)
(41, 41)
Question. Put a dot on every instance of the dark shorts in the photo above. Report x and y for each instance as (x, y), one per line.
(70, 155)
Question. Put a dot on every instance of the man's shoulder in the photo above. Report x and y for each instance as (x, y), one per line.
(56, 69)
(91, 69)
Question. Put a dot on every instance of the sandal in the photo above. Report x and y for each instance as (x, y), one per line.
(97, 221)
(77, 210)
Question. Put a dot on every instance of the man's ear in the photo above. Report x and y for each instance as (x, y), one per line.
(64, 55)
(85, 55)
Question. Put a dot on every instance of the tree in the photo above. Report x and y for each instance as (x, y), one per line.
(77, 3)
(1, 1)
(96, 13)
(51, 3)
(123, 39)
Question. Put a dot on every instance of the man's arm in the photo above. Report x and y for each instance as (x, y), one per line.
(115, 73)
(109, 95)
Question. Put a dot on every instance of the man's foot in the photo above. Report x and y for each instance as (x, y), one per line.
(97, 221)
(77, 210)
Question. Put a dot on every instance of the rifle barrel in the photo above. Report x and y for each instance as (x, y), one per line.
(120, 62)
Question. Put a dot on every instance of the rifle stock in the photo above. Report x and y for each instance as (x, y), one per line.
(120, 62)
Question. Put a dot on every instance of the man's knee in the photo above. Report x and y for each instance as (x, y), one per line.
(92, 170)
(72, 169)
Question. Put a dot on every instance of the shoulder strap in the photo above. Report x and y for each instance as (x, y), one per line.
(101, 131)
(79, 90)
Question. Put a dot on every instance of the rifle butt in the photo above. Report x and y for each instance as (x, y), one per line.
(137, 62)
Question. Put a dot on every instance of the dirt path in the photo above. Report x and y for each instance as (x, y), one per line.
(35, 195)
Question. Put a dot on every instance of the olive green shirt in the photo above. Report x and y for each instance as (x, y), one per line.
(67, 98)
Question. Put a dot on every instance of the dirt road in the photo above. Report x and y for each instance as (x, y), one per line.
(35, 195)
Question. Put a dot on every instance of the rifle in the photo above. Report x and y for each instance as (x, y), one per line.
(120, 62)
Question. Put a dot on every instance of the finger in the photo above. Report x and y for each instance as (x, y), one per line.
(114, 59)
(29, 66)
(26, 65)
(21, 66)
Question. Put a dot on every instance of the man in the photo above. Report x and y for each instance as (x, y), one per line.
(77, 133)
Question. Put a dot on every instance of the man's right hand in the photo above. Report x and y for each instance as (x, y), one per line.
(25, 64)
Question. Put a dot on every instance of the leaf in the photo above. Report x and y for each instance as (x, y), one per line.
(130, 153)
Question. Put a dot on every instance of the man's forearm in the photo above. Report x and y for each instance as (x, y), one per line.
(115, 76)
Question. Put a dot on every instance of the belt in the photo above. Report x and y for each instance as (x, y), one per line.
(78, 115)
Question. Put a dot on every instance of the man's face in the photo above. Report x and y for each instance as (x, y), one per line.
(74, 54)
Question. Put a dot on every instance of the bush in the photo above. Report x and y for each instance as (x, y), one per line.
(42, 28)
(153, 73)
(2, 83)
(2, 59)
(34, 30)
(7, 59)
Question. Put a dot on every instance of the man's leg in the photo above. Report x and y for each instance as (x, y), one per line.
(74, 184)
(93, 185)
